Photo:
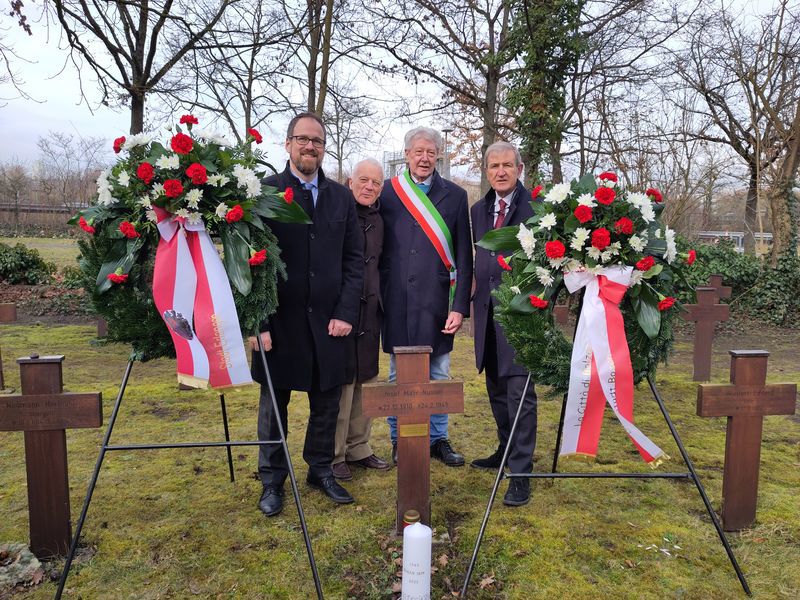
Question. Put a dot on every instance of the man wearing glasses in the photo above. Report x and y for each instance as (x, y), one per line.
(318, 304)
(426, 269)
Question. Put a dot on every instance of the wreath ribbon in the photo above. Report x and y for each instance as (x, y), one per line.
(193, 295)
(601, 367)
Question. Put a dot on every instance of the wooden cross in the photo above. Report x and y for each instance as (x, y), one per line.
(723, 291)
(706, 313)
(413, 399)
(43, 412)
(2, 380)
(744, 403)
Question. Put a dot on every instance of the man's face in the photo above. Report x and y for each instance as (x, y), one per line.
(307, 157)
(421, 158)
(366, 184)
(502, 172)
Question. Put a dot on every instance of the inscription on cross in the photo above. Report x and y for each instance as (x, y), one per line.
(745, 403)
(44, 412)
(706, 314)
(413, 399)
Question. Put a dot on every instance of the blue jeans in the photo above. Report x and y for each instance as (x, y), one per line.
(440, 369)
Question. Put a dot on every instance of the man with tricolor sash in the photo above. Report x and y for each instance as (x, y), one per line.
(426, 269)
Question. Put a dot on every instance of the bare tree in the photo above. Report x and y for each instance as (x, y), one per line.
(15, 186)
(68, 168)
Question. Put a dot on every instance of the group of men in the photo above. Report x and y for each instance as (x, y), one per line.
(393, 261)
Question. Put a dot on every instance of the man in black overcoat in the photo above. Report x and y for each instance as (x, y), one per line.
(317, 308)
(507, 203)
(415, 284)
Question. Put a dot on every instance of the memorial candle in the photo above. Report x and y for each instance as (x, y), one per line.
(416, 562)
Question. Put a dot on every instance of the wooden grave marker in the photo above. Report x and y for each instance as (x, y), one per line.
(8, 312)
(413, 399)
(561, 313)
(745, 403)
(723, 291)
(706, 314)
(43, 411)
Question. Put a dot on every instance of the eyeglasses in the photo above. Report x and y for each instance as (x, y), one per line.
(304, 139)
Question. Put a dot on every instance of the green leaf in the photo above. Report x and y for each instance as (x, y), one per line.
(645, 307)
(272, 206)
(521, 304)
(571, 223)
(587, 181)
(504, 238)
(122, 255)
(653, 271)
(236, 255)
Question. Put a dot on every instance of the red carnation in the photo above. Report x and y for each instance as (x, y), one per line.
(118, 144)
(605, 195)
(256, 136)
(173, 188)
(189, 120)
(181, 143)
(554, 249)
(117, 277)
(128, 230)
(197, 173)
(655, 195)
(691, 258)
(608, 176)
(234, 214)
(145, 172)
(538, 302)
(583, 213)
(601, 238)
(624, 225)
(85, 226)
(502, 262)
(535, 192)
(666, 303)
(646, 263)
(256, 258)
(288, 195)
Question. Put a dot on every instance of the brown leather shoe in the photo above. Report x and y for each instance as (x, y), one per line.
(342, 472)
(372, 462)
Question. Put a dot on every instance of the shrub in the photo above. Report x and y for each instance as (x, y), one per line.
(19, 264)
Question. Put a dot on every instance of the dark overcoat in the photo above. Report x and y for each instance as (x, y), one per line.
(415, 284)
(324, 267)
(364, 349)
(488, 273)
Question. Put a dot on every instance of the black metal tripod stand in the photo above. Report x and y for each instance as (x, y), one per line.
(106, 447)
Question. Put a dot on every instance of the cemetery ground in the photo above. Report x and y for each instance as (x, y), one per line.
(170, 524)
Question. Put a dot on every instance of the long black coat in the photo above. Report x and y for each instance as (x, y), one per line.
(324, 264)
(488, 273)
(363, 356)
(415, 285)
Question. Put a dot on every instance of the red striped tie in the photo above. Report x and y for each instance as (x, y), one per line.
(501, 214)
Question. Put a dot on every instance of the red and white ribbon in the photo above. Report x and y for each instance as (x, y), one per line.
(193, 295)
(601, 367)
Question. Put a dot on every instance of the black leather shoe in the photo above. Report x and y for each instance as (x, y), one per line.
(271, 502)
(518, 493)
(490, 462)
(341, 471)
(394, 452)
(331, 489)
(441, 450)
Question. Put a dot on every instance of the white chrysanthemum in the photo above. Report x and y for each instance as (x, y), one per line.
(158, 190)
(193, 198)
(168, 161)
(672, 250)
(558, 193)
(594, 253)
(636, 278)
(526, 240)
(606, 256)
(605, 183)
(124, 179)
(218, 180)
(555, 263)
(548, 221)
(648, 214)
(637, 199)
(658, 234)
(211, 136)
(144, 202)
(586, 200)
(253, 188)
(596, 270)
(579, 238)
(615, 248)
(182, 212)
(151, 216)
(221, 210)
(104, 196)
(573, 265)
(195, 218)
(636, 243)
(544, 276)
(515, 289)
(139, 139)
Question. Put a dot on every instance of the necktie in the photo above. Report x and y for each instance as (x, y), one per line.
(313, 189)
(501, 214)
(425, 187)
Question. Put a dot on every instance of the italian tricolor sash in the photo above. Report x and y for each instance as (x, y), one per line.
(424, 212)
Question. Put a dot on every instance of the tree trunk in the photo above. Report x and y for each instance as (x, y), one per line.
(779, 204)
(751, 213)
(137, 113)
(555, 160)
(489, 116)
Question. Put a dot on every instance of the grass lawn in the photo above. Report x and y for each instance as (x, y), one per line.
(169, 524)
(61, 251)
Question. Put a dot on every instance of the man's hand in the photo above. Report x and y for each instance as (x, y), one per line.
(266, 339)
(338, 328)
(454, 320)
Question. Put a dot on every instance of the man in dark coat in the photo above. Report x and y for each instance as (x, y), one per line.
(415, 282)
(352, 427)
(506, 204)
(318, 305)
